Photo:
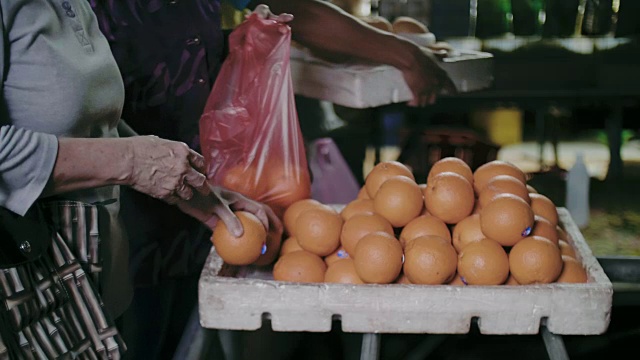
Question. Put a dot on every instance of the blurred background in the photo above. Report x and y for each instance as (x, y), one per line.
(565, 83)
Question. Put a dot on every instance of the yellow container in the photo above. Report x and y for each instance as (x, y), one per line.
(503, 126)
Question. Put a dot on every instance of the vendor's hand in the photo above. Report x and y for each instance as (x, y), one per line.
(220, 204)
(165, 169)
(264, 12)
(426, 78)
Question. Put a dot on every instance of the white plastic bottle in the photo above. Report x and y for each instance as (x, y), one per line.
(577, 194)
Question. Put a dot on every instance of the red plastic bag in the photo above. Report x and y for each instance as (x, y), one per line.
(249, 131)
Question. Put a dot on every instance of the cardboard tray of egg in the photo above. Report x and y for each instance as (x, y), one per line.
(239, 298)
(370, 85)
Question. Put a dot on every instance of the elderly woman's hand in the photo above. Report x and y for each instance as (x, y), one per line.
(220, 204)
(165, 169)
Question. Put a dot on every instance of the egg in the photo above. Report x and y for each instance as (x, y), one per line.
(360, 225)
(430, 260)
(507, 219)
(535, 260)
(467, 231)
(318, 230)
(243, 250)
(424, 225)
(488, 171)
(502, 184)
(543, 206)
(342, 271)
(451, 164)
(383, 171)
(292, 212)
(449, 197)
(399, 200)
(483, 262)
(572, 271)
(358, 206)
(299, 266)
(378, 258)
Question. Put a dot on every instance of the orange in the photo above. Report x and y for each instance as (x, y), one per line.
(535, 260)
(483, 262)
(507, 219)
(270, 250)
(362, 194)
(294, 210)
(503, 184)
(286, 184)
(342, 271)
(567, 249)
(511, 281)
(467, 231)
(402, 279)
(339, 254)
(299, 266)
(357, 206)
(449, 197)
(360, 225)
(451, 164)
(456, 281)
(544, 228)
(424, 225)
(489, 170)
(562, 235)
(531, 189)
(242, 250)
(378, 258)
(381, 172)
(290, 244)
(572, 271)
(543, 206)
(399, 200)
(318, 230)
(243, 179)
(430, 260)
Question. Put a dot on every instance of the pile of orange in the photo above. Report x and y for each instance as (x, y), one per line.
(482, 227)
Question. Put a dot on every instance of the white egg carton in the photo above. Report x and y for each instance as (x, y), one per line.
(366, 85)
(239, 298)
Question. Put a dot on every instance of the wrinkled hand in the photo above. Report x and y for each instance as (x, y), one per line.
(165, 169)
(220, 204)
(427, 79)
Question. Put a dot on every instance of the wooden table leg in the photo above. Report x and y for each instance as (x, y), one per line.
(614, 135)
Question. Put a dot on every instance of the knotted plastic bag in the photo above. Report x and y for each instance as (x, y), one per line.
(249, 130)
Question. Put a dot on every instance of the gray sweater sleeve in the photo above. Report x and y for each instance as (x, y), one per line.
(27, 159)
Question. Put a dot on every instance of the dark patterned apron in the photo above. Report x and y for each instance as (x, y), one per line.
(50, 306)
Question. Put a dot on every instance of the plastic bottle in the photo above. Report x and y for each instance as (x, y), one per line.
(577, 194)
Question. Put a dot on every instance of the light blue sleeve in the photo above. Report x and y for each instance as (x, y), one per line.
(26, 157)
(238, 4)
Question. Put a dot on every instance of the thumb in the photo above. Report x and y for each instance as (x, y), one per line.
(230, 220)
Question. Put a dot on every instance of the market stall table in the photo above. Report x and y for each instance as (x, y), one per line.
(240, 298)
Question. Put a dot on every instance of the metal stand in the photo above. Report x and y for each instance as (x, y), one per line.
(370, 347)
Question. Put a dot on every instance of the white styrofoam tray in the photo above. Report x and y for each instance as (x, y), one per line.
(239, 298)
(364, 85)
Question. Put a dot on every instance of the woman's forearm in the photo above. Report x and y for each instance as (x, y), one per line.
(89, 163)
(321, 25)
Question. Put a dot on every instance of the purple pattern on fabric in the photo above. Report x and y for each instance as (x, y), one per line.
(169, 53)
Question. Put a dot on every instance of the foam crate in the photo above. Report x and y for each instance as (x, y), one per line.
(363, 85)
(238, 298)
